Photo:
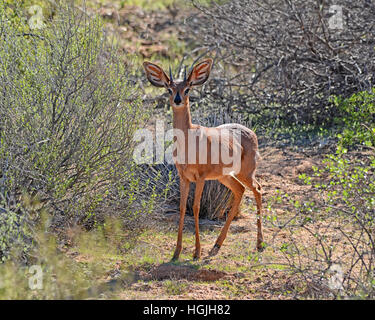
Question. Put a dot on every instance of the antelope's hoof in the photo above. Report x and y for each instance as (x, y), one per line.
(260, 246)
(214, 250)
(197, 255)
(175, 257)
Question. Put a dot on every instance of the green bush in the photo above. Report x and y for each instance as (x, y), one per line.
(68, 111)
(51, 274)
(330, 241)
(357, 117)
(341, 216)
(13, 232)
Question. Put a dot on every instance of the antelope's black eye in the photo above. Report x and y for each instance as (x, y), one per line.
(170, 91)
(187, 91)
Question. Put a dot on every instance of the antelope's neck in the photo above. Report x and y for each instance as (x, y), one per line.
(182, 118)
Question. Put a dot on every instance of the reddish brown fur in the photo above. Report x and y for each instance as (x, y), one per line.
(198, 173)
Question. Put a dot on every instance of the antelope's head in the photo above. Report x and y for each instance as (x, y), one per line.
(178, 89)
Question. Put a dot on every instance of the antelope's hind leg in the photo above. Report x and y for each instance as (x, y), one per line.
(256, 188)
(238, 190)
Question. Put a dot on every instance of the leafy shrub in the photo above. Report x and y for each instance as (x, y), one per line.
(339, 216)
(68, 112)
(51, 274)
(13, 231)
(357, 117)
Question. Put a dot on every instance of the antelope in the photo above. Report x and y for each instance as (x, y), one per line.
(198, 172)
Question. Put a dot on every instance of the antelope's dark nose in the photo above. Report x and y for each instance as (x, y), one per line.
(177, 98)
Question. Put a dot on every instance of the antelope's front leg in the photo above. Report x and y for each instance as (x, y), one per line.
(197, 201)
(184, 192)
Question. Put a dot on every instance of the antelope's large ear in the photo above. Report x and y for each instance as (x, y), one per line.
(155, 74)
(200, 73)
